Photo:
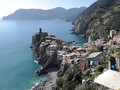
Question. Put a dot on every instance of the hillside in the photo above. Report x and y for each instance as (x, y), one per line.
(51, 14)
(98, 19)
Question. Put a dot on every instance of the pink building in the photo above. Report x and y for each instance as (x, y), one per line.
(117, 39)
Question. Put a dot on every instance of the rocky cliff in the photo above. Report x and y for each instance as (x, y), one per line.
(72, 74)
(42, 46)
(98, 19)
(51, 14)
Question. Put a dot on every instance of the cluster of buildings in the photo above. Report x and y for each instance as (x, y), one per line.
(111, 77)
(64, 52)
(99, 48)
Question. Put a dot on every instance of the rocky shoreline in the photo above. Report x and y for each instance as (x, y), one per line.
(45, 48)
(70, 67)
(51, 56)
(49, 83)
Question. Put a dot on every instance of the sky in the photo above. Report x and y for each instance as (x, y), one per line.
(9, 6)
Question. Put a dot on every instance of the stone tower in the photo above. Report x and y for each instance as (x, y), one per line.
(40, 30)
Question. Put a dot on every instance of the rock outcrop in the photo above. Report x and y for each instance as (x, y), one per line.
(41, 71)
(45, 47)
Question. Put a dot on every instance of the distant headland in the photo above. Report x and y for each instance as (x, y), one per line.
(58, 13)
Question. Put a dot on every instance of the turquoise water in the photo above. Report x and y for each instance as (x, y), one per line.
(16, 59)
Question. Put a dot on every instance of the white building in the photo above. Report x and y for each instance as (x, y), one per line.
(110, 79)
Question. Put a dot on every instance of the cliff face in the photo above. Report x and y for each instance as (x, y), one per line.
(37, 40)
(74, 72)
(98, 19)
(45, 47)
(51, 14)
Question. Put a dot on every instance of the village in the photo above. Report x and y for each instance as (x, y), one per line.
(104, 55)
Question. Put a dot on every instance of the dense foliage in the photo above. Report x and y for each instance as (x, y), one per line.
(98, 19)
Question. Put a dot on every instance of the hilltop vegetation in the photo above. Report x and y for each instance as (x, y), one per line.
(98, 19)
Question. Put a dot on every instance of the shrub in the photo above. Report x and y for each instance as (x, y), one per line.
(72, 85)
(68, 77)
(99, 68)
(60, 82)
(89, 88)
(117, 51)
(96, 74)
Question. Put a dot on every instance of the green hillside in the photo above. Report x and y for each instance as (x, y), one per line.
(98, 19)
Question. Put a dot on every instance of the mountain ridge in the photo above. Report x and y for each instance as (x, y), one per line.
(57, 13)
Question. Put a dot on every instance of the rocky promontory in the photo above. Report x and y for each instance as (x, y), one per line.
(46, 48)
(52, 54)
(69, 67)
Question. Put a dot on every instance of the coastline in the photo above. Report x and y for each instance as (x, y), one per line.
(51, 53)
(49, 82)
(74, 63)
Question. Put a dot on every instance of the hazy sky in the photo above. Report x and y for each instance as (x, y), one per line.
(9, 6)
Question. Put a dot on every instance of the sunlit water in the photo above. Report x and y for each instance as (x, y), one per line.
(16, 59)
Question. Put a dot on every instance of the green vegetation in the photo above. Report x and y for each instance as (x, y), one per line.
(104, 61)
(38, 36)
(69, 81)
(98, 70)
(99, 19)
(90, 88)
(117, 51)
(68, 77)
(66, 83)
(87, 87)
(96, 74)
(73, 77)
(60, 82)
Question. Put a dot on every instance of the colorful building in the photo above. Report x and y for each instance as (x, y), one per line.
(113, 33)
(117, 39)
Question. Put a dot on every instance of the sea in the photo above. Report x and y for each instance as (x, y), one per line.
(17, 67)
